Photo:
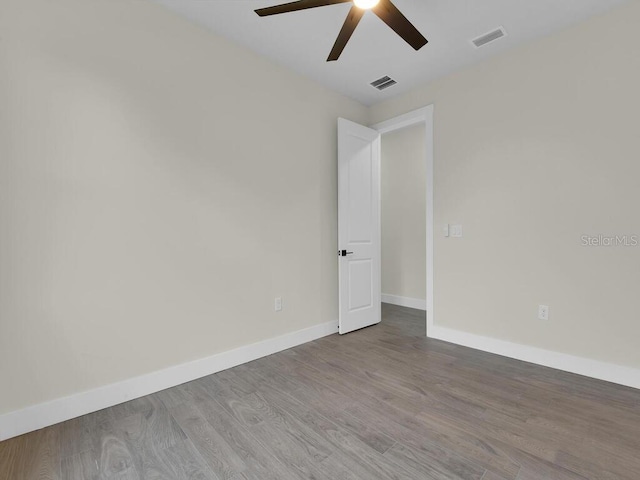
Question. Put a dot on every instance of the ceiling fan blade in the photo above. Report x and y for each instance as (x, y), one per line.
(295, 6)
(393, 17)
(350, 24)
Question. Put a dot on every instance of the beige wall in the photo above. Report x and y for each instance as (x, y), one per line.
(159, 186)
(534, 149)
(403, 213)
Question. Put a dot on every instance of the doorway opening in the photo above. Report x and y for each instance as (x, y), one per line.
(359, 232)
(403, 220)
(406, 199)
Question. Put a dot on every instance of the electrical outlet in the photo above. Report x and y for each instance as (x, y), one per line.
(278, 304)
(543, 312)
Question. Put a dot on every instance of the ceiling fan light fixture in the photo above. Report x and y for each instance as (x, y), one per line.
(385, 10)
(366, 4)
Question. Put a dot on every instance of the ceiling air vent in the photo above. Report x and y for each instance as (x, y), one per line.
(483, 40)
(384, 82)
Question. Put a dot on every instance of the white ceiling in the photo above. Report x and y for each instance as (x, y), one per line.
(302, 40)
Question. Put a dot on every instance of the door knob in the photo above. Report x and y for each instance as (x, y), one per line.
(344, 253)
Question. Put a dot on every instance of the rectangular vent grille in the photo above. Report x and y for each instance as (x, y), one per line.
(489, 37)
(384, 82)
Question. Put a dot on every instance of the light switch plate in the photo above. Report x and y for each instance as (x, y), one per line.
(456, 231)
(446, 230)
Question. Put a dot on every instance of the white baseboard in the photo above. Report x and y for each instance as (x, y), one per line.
(404, 301)
(609, 372)
(42, 415)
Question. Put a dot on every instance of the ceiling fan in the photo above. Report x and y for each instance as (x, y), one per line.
(384, 9)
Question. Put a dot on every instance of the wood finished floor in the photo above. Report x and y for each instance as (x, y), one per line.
(381, 403)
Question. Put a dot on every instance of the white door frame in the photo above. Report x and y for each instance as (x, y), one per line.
(422, 115)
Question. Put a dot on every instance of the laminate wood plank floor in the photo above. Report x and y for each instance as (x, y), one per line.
(381, 403)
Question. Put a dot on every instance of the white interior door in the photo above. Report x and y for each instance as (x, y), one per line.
(358, 226)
